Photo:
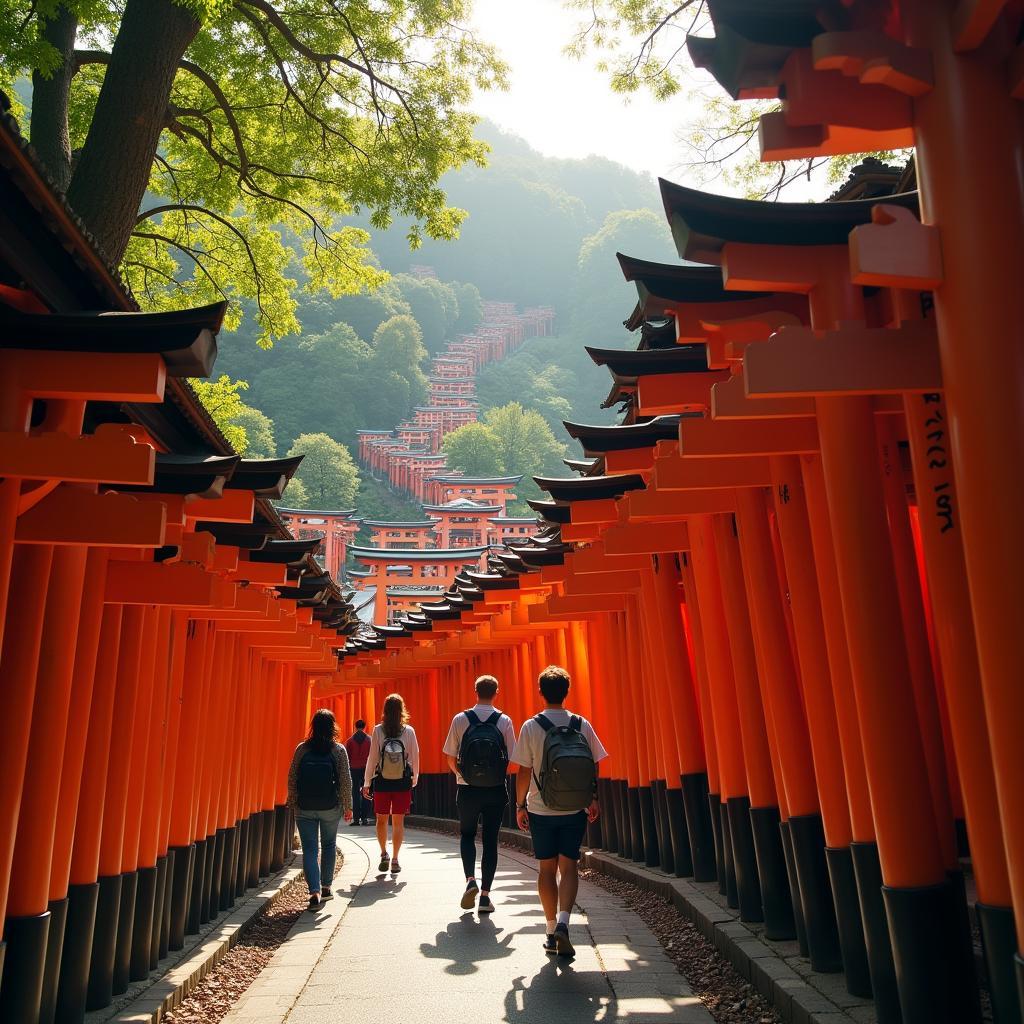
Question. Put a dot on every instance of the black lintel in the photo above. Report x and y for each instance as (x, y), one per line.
(201, 475)
(703, 223)
(266, 477)
(598, 439)
(550, 510)
(648, 362)
(285, 552)
(590, 488)
(185, 338)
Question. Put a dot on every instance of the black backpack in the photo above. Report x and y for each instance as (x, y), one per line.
(318, 781)
(568, 772)
(483, 756)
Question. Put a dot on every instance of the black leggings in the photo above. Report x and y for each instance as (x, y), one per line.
(474, 803)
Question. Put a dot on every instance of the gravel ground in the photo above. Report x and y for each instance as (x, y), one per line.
(221, 988)
(729, 998)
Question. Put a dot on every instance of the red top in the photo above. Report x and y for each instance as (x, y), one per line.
(358, 747)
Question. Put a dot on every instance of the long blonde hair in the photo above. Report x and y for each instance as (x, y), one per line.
(394, 716)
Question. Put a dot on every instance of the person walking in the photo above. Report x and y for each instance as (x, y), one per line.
(358, 747)
(478, 746)
(394, 760)
(320, 794)
(556, 796)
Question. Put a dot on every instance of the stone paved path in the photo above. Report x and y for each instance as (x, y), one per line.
(401, 951)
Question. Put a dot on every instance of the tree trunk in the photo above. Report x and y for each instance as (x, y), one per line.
(49, 133)
(113, 170)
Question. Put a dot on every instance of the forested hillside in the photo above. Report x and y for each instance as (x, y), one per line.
(539, 231)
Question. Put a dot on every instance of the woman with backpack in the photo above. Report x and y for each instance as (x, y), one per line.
(320, 794)
(394, 761)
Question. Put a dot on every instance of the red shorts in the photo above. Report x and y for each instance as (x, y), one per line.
(392, 803)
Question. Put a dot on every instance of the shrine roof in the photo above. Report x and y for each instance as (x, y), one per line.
(347, 512)
(552, 511)
(405, 525)
(407, 555)
(186, 338)
(703, 223)
(637, 363)
(266, 477)
(540, 555)
(658, 334)
(618, 437)
(463, 505)
(478, 480)
(660, 283)
(204, 476)
(285, 552)
(589, 488)
(516, 520)
(390, 430)
(414, 591)
(581, 466)
(248, 536)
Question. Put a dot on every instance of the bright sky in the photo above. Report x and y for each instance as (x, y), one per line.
(564, 107)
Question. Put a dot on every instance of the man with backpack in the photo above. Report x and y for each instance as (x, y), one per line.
(477, 747)
(556, 795)
(358, 747)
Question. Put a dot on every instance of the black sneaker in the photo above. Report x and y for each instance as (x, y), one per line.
(326, 894)
(469, 896)
(550, 946)
(395, 867)
(385, 861)
(314, 901)
(486, 906)
(561, 938)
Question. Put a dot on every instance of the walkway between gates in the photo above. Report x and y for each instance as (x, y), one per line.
(401, 949)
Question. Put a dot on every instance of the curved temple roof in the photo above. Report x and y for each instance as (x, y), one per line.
(589, 488)
(623, 437)
(624, 363)
(702, 223)
(417, 554)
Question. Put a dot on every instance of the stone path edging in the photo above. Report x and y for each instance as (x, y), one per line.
(272, 995)
(154, 998)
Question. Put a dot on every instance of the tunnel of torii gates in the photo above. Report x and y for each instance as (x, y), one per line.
(786, 584)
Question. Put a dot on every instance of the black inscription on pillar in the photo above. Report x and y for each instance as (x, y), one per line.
(938, 461)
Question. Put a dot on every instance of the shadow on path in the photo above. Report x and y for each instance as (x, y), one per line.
(467, 941)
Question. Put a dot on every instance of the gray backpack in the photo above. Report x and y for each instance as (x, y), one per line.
(568, 772)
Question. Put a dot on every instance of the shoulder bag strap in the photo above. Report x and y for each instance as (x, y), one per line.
(576, 723)
(474, 719)
(544, 722)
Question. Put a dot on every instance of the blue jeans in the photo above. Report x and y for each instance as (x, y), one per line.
(318, 829)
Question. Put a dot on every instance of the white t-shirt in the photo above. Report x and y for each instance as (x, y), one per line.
(529, 752)
(460, 723)
(412, 752)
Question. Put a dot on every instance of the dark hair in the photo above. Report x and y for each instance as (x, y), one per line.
(394, 715)
(486, 687)
(360, 724)
(323, 730)
(554, 684)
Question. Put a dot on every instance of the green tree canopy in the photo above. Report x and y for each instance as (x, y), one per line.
(259, 432)
(227, 122)
(223, 400)
(395, 372)
(433, 305)
(471, 307)
(327, 473)
(474, 450)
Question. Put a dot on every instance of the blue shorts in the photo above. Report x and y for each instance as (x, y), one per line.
(557, 835)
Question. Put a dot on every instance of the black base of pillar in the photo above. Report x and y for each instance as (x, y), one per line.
(748, 885)
(267, 851)
(280, 837)
(718, 834)
(100, 989)
(605, 794)
(228, 868)
(666, 855)
(252, 869)
(928, 953)
(125, 929)
(194, 917)
(868, 871)
(650, 835)
(21, 985)
(220, 838)
(771, 869)
(76, 949)
(963, 843)
(999, 944)
(636, 829)
(181, 888)
(1018, 966)
(625, 829)
(676, 810)
(51, 969)
(242, 867)
(206, 890)
(699, 830)
(794, 887)
(808, 838)
(851, 927)
(159, 911)
(142, 924)
(968, 991)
